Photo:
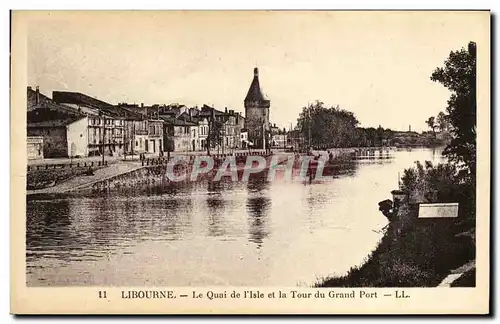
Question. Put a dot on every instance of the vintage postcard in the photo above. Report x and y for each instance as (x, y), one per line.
(250, 162)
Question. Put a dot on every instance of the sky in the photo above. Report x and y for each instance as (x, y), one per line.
(375, 64)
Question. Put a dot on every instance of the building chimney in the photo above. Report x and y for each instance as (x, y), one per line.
(225, 110)
(142, 105)
(37, 100)
(409, 128)
(255, 72)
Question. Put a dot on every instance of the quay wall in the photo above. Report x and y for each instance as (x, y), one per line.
(356, 151)
(154, 172)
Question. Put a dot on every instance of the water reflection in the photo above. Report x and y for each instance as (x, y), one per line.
(258, 205)
(48, 228)
(254, 233)
(216, 208)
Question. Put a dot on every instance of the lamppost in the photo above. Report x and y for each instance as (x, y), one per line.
(126, 136)
(103, 134)
(264, 136)
(223, 136)
(310, 124)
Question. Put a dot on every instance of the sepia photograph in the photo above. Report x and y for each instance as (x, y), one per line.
(298, 149)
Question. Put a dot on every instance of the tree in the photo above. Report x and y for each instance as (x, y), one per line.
(442, 122)
(327, 127)
(459, 76)
(169, 145)
(379, 135)
(388, 135)
(214, 133)
(431, 122)
(371, 136)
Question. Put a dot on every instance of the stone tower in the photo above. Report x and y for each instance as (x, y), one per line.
(256, 112)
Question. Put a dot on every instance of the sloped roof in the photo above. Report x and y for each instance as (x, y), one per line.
(199, 118)
(176, 122)
(206, 110)
(79, 98)
(54, 123)
(45, 102)
(124, 112)
(255, 92)
(32, 99)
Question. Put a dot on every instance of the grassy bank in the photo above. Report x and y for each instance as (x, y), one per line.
(421, 255)
(468, 279)
(420, 252)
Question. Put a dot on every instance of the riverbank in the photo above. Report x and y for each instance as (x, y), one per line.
(62, 178)
(421, 252)
(75, 181)
(412, 253)
(59, 178)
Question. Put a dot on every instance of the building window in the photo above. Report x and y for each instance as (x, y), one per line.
(136, 143)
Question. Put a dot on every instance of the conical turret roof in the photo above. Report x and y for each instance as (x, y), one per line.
(255, 92)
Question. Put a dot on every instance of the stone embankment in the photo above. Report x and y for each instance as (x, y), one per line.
(128, 174)
(151, 171)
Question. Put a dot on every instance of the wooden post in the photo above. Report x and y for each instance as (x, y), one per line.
(103, 135)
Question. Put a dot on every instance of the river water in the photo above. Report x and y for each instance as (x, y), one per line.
(257, 233)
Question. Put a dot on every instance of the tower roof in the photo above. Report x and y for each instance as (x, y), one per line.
(255, 92)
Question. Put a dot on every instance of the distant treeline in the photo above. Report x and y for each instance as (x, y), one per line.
(336, 127)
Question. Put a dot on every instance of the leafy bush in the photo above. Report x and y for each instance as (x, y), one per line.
(440, 183)
(415, 252)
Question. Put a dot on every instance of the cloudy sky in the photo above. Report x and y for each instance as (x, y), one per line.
(374, 64)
